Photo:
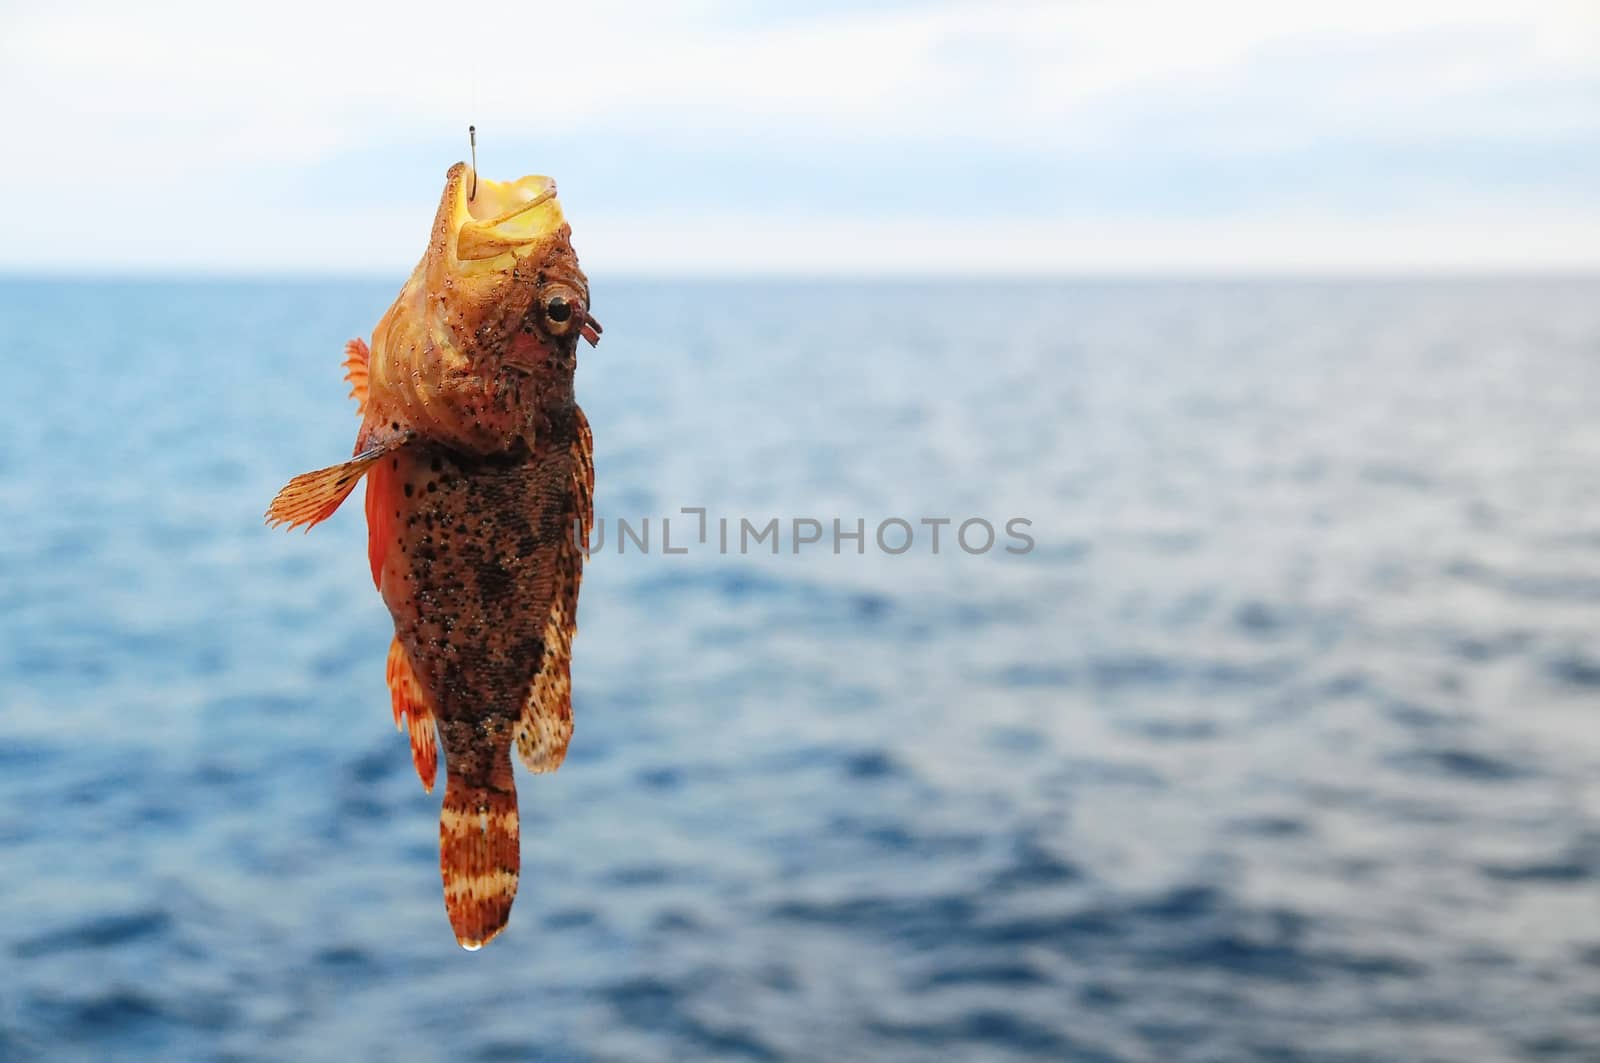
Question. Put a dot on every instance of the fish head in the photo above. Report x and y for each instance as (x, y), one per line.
(499, 301)
(509, 253)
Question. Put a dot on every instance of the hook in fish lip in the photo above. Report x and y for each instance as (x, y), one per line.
(591, 330)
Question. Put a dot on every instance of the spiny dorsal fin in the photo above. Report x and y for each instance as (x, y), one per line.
(545, 727)
(357, 358)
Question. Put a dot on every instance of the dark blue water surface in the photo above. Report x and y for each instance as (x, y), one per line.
(1283, 743)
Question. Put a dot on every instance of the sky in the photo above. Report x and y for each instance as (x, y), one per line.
(824, 137)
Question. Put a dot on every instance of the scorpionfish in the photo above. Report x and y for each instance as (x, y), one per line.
(480, 484)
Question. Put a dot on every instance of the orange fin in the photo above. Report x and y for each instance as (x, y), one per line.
(479, 858)
(311, 497)
(410, 702)
(356, 359)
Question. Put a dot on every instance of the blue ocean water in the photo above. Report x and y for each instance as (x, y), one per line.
(1283, 742)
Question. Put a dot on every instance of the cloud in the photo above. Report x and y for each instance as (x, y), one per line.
(299, 134)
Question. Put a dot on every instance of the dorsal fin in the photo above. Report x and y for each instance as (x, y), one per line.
(357, 357)
(545, 727)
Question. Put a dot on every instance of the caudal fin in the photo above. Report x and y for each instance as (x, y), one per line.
(479, 859)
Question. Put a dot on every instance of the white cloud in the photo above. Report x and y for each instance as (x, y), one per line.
(187, 107)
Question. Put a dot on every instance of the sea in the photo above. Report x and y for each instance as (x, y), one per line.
(1247, 708)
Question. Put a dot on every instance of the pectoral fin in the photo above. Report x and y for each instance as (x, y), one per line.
(312, 497)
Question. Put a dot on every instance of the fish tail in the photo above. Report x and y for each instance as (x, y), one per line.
(479, 858)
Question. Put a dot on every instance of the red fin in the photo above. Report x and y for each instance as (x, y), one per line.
(356, 359)
(311, 497)
(381, 503)
(479, 858)
(409, 701)
(424, 751)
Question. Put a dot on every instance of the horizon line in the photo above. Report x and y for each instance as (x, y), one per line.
(735, 274)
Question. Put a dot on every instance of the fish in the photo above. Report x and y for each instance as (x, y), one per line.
(479, 470)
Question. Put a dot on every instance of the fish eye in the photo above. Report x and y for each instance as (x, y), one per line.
(557, 309)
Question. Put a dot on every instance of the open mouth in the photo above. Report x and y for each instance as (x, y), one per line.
(502, 215)
(496, 202)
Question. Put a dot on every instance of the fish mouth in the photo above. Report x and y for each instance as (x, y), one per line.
(504, 216)
(497, 202)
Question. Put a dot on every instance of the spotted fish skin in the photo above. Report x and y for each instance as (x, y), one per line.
(480, 480)
(470, 578)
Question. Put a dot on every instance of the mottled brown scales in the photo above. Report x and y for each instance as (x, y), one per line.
(472, 607)
(480, 482)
